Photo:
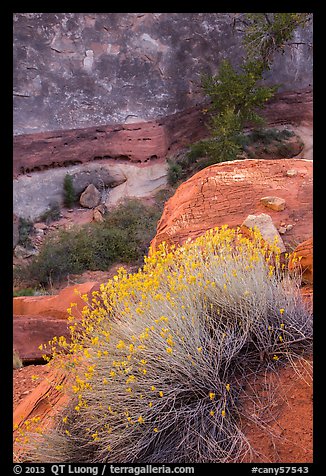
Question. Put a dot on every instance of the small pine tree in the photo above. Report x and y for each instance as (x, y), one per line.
(235, 100)
(69, 191)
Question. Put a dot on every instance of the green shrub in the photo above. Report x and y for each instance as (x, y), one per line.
(124, 236)
(197, 151)
(268, 136)
(69, 194)
(26, 229)
(175, 172)
(24, 292)
(160, 359)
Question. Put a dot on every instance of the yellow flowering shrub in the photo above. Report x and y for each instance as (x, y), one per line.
(156, 358)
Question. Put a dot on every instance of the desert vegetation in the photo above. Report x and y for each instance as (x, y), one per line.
(253, 143)
(123, 236)
(160, 359)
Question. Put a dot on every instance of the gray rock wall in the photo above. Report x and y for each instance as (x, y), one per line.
(75, 70)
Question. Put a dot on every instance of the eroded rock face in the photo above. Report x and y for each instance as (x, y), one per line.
(228, 192)
(74, 70)
(141, 142)
(45, 401)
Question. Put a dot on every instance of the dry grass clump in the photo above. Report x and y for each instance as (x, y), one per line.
(159, 358)
(17, 362)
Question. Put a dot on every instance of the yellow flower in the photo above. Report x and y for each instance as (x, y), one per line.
(280, 338)
(223, 413)
(275, 357)
(121, 344)
(153, 388)
(130, 379)
(281, 311)
(64, 419)
(35, 377)
(169, 350)
(211, 395)
(141, 419)
(282, 326)
(212, 413)
(227, 386)
(160, 393)
(155, 430)
(199, 349)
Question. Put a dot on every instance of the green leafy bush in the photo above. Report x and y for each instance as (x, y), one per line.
(24, 292)
(124, 236)
(175, 172)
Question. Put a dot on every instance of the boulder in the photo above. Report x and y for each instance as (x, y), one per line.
(302, 260)
(29, 332)
(55, 306)
(90, 197)
(100, 177)
(274, 203)
(265, 225)
(226, 193)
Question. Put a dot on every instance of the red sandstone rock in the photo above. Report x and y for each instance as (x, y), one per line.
(305, 264)
(30, 332)
(140, 142)
(228, 192)
(45, 401)
(137, 142)
(55, 306)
